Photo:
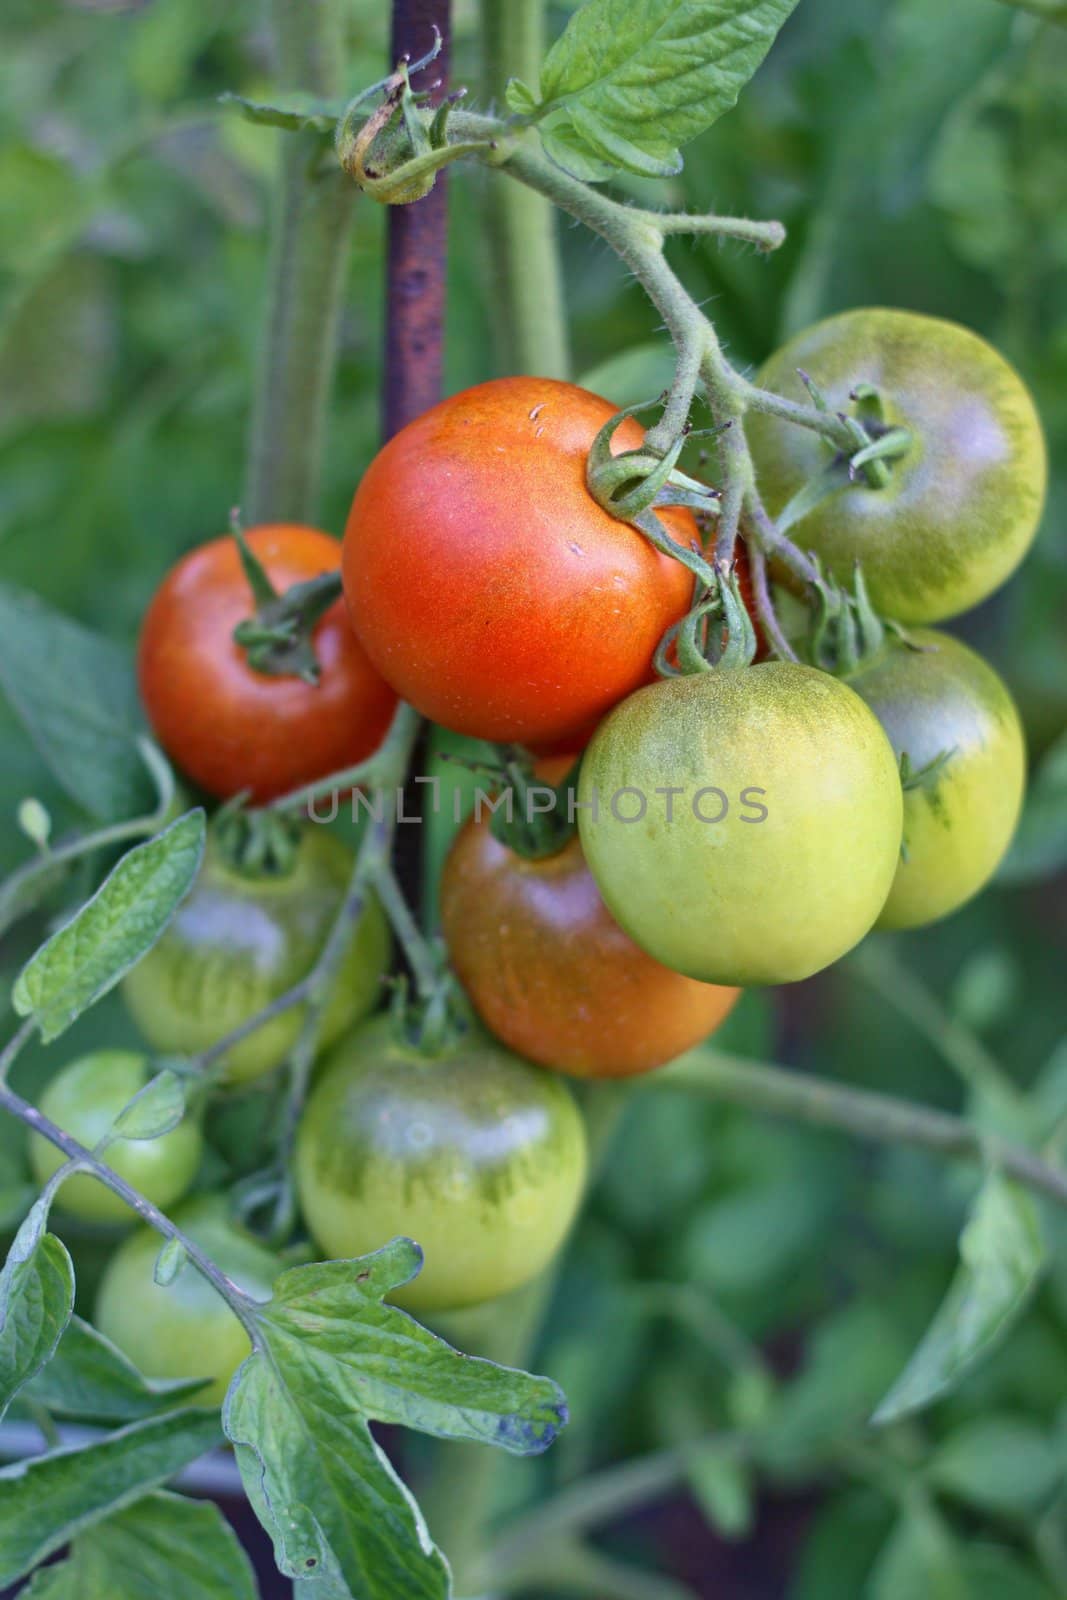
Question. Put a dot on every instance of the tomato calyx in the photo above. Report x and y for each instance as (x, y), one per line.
(256, 844)
(276, 638)
(715, 635)
(846, 631)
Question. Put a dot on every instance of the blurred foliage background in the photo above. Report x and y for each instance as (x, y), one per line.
(735, 1277)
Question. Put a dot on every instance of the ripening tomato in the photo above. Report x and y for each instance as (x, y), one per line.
(239, 941)
(550, 971)
(949, 713)
(185, 1329)
(477, 1156)
(961, 507)
(84, 1099)
(228, 726)
(743, 826)
(485, 582)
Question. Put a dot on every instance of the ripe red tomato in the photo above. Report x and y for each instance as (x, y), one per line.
(550, 971)
(485, 582)
(229, 727)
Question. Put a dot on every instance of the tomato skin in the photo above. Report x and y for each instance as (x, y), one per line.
(83, 1099)
(476, 1155)
(551, 973)
(959, 823)
(744, 900)
(185, 1330)
(962, 506)
(236, 943)
(229, 727)
(485, 582)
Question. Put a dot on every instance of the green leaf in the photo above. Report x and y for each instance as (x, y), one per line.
(722, 1487)
(520, 98)
(111, 933)
(163, 1544)
(155, 1110)
(998, 1464)
(334, 1357)
(1040, 846)
(1054, 10)
(169, 1262)
(76, 695)
(36, 1300)
(1001, 1258)
(48, 1499)
(89, 1378)
(919, 1558)
(628, 81)
(298, 117)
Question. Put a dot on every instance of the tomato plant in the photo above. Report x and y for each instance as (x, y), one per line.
(506, 604)
(229, 727)
(553, 975)
(949, 716)
(960, 506)
(240, 941)
(183, 1329)
(84, 1099)
(746, 825)
(475, 1154)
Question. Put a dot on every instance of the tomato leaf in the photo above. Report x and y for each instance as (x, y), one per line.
(298, 117)
(628, 81)
(162, 1544)
(333, 1359)
(920, 1557)
(76, 695)
(89, 1378)
(155, 1110)
(48, 1499)
(36, 1300)
(113, 930)
(1003, 1464)
(1001, 1258)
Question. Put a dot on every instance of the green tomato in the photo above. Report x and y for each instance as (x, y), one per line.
(959, 819)
(743, 827)
(84, 1099)
(185, 1330)
(239, 941)
(475, 1154)
(961, 507)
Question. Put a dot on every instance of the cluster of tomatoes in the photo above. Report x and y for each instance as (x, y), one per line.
(733, 826)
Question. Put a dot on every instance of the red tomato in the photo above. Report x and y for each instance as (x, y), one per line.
(486, 583)
(229, 727)
(550, 971)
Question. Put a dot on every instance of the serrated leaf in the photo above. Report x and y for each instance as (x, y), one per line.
(163, 1544)
(48, 1499)
(155, 1110)
(76, 695)
(36, 1300)
(89, 1378)
(111, 933)
(635, 79)
(1001, 1258)
(335, 1357)
(295, 118)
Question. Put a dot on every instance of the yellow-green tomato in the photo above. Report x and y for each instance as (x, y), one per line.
(185, 1329)
(239, 941)
(946, 710)
(743, 826)
(961, 505)
(84, 1100)
(475, 1154)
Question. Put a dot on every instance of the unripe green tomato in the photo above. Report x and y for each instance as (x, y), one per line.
(958, 822)
(238, 942)
(776, 850)
(475, 1154)
(961, 506)
(84, 1099)
(185, 1330)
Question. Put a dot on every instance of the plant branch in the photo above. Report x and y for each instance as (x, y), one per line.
(384, 769)
(869, 1115)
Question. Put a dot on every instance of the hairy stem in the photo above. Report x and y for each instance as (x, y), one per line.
(309, 253)
(527, 299)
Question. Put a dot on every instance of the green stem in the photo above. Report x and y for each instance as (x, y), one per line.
(527, 298)
(383, 770)
(879, 1117)
(309, 254)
